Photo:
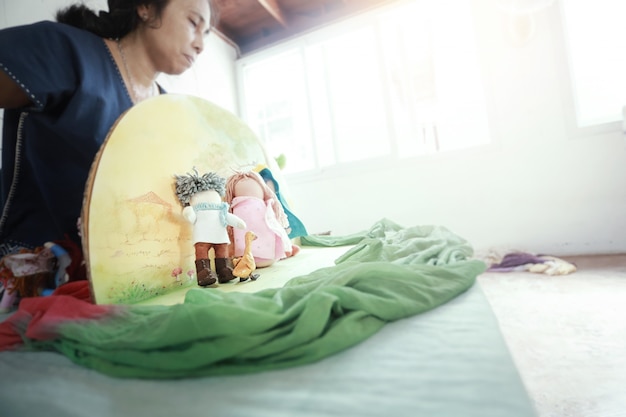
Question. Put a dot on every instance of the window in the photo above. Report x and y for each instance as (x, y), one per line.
(397, 83)
(276, 104)
(595, 35)
(349, 107)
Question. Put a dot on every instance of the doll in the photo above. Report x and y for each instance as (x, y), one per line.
(201, 197)
(296, 227)
(253, 201)
(245, 265)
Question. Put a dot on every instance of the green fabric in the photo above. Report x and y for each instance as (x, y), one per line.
(391, 274)
(378, 230)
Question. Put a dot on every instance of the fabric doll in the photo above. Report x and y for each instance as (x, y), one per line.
(253, 201)
(201, 197)
(296, 227)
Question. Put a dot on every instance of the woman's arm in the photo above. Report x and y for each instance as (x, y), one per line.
(11, 95)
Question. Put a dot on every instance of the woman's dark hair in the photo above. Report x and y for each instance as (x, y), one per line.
(120, 20)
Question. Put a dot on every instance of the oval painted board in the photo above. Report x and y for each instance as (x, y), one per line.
(136, 243)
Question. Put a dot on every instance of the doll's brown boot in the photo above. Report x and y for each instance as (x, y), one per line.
(224, 269)
(205, 275)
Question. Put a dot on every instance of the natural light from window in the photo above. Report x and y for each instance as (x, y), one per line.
(398, 83)
(595, 35)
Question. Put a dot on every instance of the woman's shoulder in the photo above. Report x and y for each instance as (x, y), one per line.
(48, 30)
(46, 40)
(54, 61)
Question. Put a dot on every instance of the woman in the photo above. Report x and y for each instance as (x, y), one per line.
(63, 86)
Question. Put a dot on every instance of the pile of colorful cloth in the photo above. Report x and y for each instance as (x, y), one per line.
(540, 264)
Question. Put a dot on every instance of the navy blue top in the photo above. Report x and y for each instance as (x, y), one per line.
(47, 149)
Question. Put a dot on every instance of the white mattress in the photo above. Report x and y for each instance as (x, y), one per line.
(451, 361)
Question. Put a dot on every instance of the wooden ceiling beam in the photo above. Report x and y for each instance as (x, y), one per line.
(274, 9)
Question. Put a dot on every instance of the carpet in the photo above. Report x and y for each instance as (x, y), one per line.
(567, 334)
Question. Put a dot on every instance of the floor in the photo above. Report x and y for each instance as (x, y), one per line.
(567, 334)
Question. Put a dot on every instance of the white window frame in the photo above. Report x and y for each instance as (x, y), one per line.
(382, 162)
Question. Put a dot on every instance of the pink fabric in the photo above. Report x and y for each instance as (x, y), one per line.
(272, 241)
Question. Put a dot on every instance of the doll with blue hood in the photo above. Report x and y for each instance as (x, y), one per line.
(296, 227)
(201, 197)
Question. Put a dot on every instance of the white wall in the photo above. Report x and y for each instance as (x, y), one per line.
(3, 13)
(541, 187)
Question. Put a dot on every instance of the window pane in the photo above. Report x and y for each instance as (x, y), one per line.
(407, 42)
(435, 86)
(400, 82)
(596, 38)
(276, 108)
(355, 96)
(320, 112)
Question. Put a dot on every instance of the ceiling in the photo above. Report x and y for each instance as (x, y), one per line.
(253, 24)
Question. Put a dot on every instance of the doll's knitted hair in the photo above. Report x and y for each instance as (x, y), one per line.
(192, 183)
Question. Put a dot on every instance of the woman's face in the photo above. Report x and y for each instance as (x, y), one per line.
(175, 41)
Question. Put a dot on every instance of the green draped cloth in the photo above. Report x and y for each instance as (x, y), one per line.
(388, 274)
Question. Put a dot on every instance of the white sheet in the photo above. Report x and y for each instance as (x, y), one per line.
(448, 362)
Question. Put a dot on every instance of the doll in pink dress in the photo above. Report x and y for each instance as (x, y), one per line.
(255, 203)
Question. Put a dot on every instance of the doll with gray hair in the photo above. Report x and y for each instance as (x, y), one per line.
(201, 198)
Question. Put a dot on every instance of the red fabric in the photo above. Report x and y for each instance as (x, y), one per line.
(76, 269)
(9, 338)
(76, 289)
(37, 318)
